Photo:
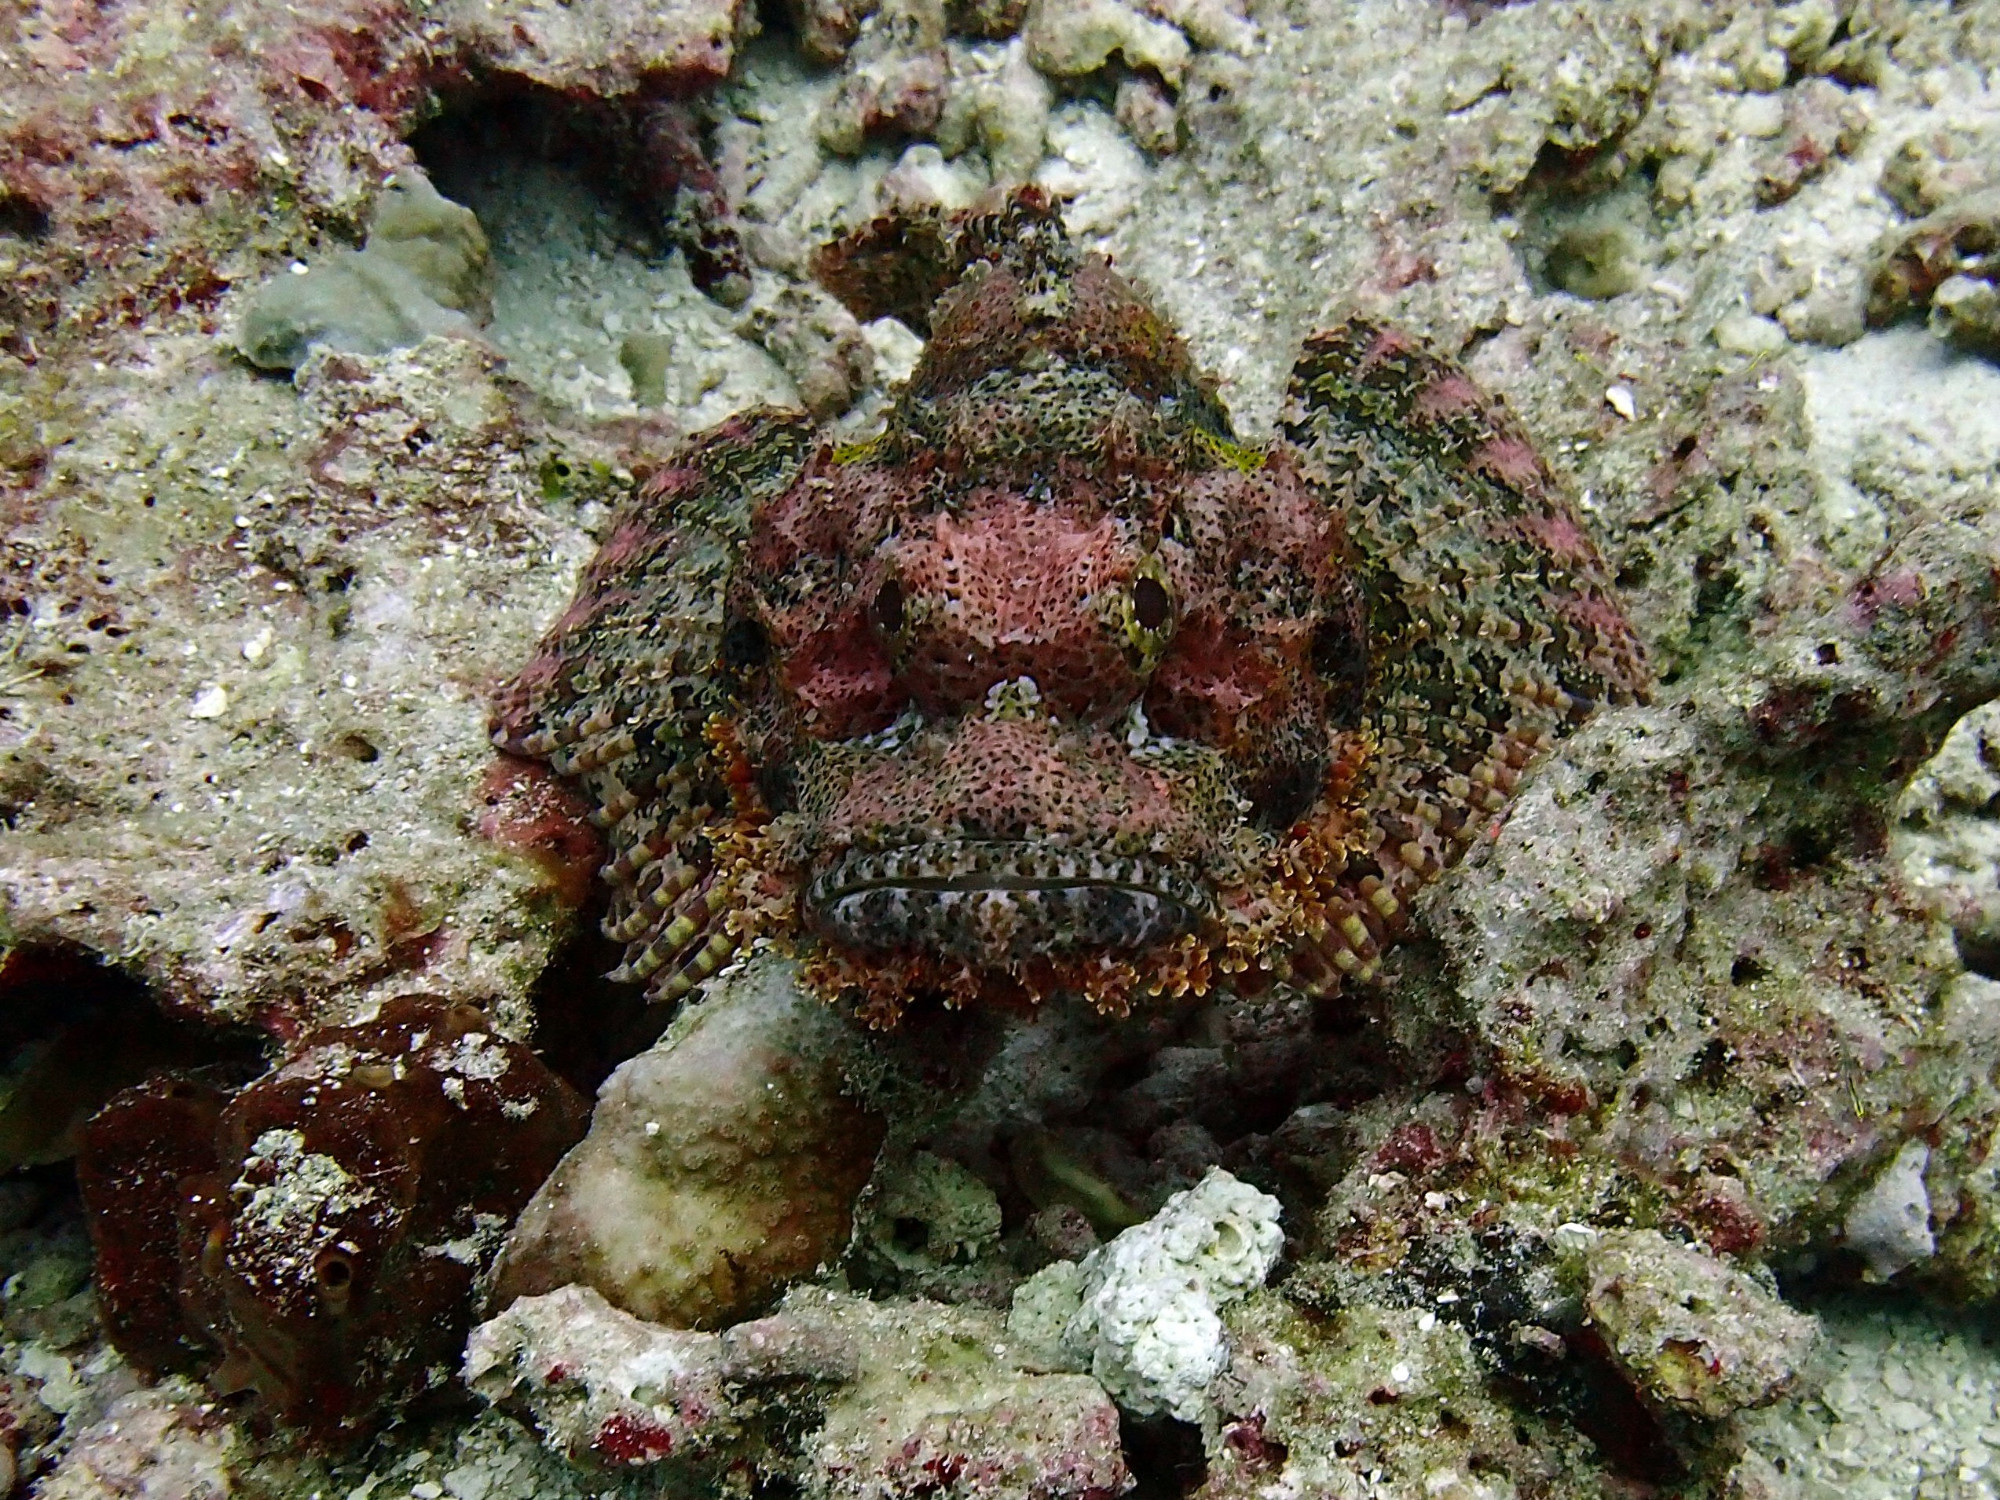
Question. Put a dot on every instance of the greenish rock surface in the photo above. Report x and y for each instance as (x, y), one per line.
(1693, 1334)
(424, 270)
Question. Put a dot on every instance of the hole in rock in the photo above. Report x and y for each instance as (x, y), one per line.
(1586, 222)
(22, 217)
(73, 1032)
(1587, 1389)
(601, 253)
(1165, 1457)
(584, 1024)
(1979, 951)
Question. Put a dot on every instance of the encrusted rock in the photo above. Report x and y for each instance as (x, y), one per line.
(603, 1387)
(1004, 111)
(895, 81)
(162, 1441)
(1889, 1223)
(850, 1398)
(1397, 1393)
(1945, 840)
(1691, 1333)
(602, 47)
(1936, 167)
(926, 1217)
(424, 270)
(355, 549)
(1948, 261)
(1066, 39)
(818, 342)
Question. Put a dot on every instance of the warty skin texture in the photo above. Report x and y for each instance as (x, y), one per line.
(1055, 683)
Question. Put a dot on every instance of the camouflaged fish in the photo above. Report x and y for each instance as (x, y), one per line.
(1056, 684)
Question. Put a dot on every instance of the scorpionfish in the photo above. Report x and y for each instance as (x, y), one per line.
(1057, 684)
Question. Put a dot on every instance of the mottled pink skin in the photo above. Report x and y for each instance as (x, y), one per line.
(1054, 683)
(1000, 587)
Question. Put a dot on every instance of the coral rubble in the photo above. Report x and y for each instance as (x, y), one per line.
(845, 1397)
(1141, 1313)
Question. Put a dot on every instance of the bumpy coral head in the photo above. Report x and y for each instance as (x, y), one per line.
(1036, 677)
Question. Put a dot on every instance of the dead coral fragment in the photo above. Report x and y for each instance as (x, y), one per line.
(720, 1166)
(330, 1218)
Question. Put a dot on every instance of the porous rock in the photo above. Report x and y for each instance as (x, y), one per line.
(721, 1165)
(1143, 1310)
(254, 775)
(1691, 1333)
(1004, 111)
(1065, 40)
(1948, 261)
(924, 1216)
(849, 1398)
(1400, 1394)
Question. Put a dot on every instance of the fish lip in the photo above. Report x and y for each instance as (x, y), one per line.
(999, 901)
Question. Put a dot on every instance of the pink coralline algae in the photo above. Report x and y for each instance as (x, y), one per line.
(1056, 683)
(314, 1240)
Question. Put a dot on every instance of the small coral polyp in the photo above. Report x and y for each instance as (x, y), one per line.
(1055, 683)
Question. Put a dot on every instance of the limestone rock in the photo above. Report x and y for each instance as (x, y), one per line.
(720, 1166)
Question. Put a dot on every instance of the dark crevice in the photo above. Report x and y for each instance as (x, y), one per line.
(1979, 951)
(22, 217)
(584, 1024)
(646, 157)
(74, 1031)
(1165, 1457)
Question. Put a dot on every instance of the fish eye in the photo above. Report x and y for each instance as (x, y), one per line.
(1287, 795)
(887, 611)
(1152, 609)
(335, 1274)
(1331, 641)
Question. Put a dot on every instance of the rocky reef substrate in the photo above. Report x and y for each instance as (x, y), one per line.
(1661, 1163)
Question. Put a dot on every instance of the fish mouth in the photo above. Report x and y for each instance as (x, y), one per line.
(998, 903)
